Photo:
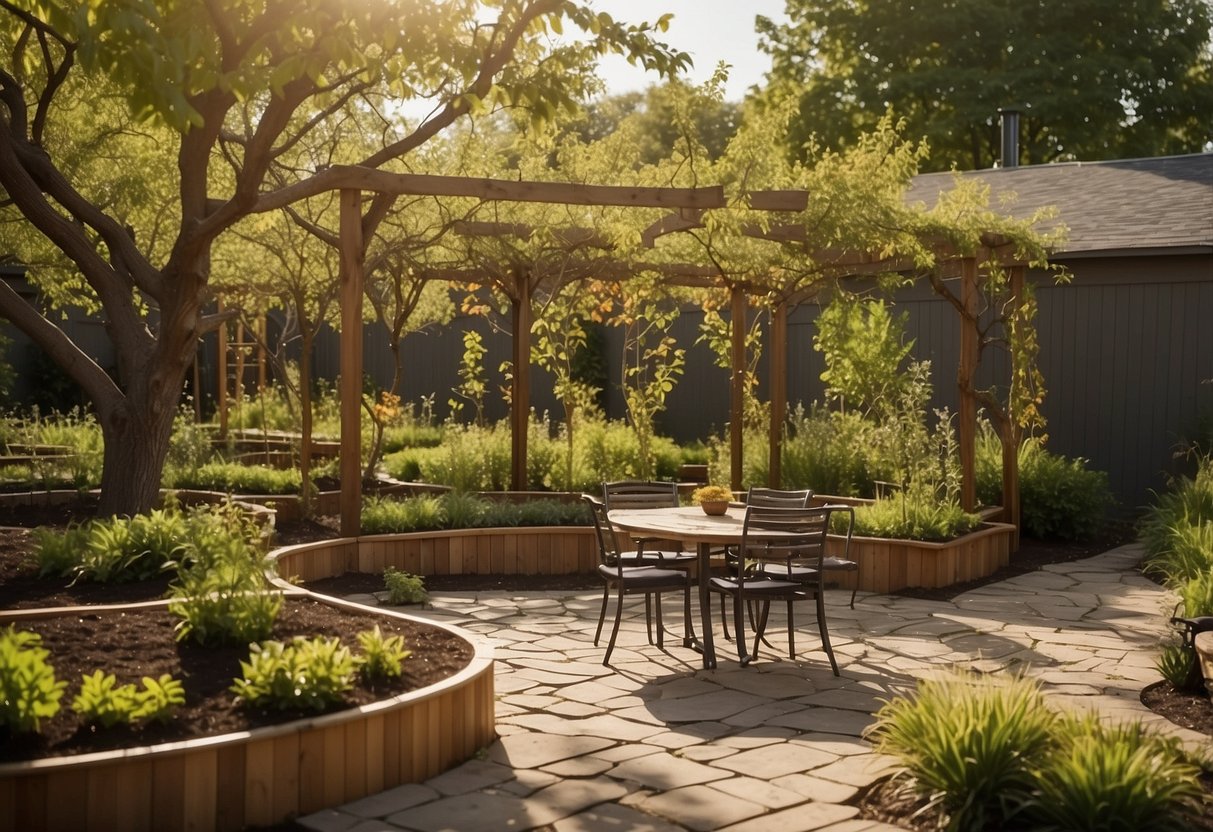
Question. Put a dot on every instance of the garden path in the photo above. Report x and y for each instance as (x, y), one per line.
(657, 743)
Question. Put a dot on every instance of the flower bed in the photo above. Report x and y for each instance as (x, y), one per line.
(264, 775)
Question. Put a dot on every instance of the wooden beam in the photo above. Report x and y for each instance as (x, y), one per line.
(778, 200)
(777, 358)
(736, 385)
(568, 236)
(569, 193)
(967, 412)
(350, 384)
(684, 220)
(520, 398)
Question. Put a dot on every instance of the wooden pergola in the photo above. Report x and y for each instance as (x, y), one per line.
(686, 206)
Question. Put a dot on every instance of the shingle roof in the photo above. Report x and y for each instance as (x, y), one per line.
(1121, 205)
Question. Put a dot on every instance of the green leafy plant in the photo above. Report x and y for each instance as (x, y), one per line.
(1113, 777)
(221, 594)
(1059, 497)
(404, 587)
(382, 656)
(102, 701)
(969, 745)
(1177, 664)
(29, 691)
(384, 515)
(306, 674)
(913, 516)
(234, 477)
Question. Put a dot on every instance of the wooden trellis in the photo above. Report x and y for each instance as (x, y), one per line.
(687, 205)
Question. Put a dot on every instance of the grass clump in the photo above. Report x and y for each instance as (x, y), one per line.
(910, 517)
(989, 754)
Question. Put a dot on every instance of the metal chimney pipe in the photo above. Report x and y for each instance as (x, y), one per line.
(1010, 137)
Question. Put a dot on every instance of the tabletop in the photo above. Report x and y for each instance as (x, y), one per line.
(686, 523)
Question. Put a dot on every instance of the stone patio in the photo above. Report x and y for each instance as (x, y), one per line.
(657, 743)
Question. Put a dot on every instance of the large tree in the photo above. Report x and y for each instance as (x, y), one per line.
(1093, 79)
(229, 87)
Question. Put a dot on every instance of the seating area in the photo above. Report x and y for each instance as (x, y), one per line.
(775, 745)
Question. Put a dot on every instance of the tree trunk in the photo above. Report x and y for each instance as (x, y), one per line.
(305, 423)
(136, 440)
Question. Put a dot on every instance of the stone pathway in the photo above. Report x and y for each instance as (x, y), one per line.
(657, 743)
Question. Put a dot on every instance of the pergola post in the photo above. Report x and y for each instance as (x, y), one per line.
(777, 357)
(350, 385)
(737, 384)
(967, 412)
(221, 371)
(520, 398)
(1010, 442)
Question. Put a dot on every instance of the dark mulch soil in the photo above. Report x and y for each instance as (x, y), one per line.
(1190, 710)
(135, 644)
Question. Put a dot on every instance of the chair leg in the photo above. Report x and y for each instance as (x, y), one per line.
(853, 591)
(648, 615)
(825, 632)
(760, 627)
(688, 627)
(739, 626)
(660, 624)
(606, 594)
(792, 631)
(724, 619)
(606, 660)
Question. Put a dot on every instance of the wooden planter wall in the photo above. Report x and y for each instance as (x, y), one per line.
(545, 550)
(263, 776)
(884, 565)
(889, 565)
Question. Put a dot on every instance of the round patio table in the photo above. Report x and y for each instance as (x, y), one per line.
(690, 525)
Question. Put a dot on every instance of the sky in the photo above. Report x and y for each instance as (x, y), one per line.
(709, 30)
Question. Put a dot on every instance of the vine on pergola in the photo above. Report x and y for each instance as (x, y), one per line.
(750, 227)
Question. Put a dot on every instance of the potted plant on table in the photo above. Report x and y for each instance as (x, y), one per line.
(713, 499)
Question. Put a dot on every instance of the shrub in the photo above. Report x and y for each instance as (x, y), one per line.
(222, 593)
(1187, 554)
(384, 515)
(1114, 777)
(102, 701)
(1177, 664)
(116, 549)
(1059, 497)
(1197, 595)
(308, 674)
(404, 465)
(969, 745)
(235, 478)
(29, 691)
(404, 587)
(825, 451)
(382, 656)
(460, 510)
(910, 517)
(1187, 504)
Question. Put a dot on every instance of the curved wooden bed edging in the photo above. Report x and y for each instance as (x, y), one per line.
(523, 550)
(885, 565)
(266, 775)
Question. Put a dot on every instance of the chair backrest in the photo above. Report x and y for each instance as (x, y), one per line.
(758, 496)
(786, 535)
(608, 551)
(635, 494)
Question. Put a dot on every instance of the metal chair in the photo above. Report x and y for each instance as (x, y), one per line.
(633, 580)
(642, 494)
(774, 538)
(829, 563)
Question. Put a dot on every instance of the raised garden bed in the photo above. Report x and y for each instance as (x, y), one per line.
(888, 565)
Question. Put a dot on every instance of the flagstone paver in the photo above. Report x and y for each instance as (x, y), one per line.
(656, 743)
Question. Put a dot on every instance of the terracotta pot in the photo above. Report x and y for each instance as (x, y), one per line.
(715, 507)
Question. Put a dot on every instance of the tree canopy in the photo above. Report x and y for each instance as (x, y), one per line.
(221, 93)
(1092, 79)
